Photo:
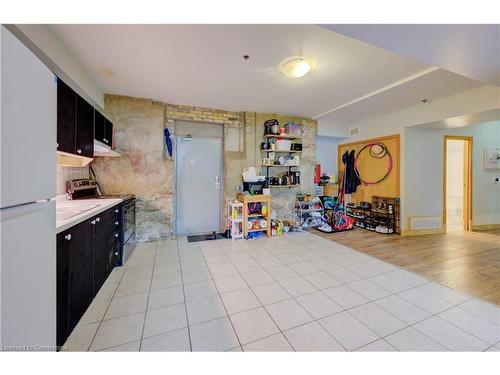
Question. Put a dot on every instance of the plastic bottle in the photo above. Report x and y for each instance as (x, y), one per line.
(279, 228)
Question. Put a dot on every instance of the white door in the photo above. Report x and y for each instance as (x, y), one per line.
(198, 184)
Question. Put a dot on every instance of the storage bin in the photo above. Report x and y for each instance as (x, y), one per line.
(331, 190)
(283, 144)
(318, 190)
(293, 129)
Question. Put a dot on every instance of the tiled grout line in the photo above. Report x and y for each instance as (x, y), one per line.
(411, 271)
(149, 294)
(264, 306)
(372, 301)
(223, 304)
(294, 298)
(364, 278)
(314, 320)
(110, 300)
(184, 294)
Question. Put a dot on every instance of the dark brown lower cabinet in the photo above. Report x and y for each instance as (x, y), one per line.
(74, 277)
(86, 255)
(105, 247)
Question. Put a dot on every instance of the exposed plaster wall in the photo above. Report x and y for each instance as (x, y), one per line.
(142, 170)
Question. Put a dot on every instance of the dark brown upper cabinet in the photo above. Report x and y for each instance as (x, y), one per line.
(66, 118)
(84, 128)
(103, 129)
(75, 122)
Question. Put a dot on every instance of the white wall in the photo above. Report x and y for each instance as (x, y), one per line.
(424, 179)
(48, 48)
(481, 99)
(326, 153)
(329, 128)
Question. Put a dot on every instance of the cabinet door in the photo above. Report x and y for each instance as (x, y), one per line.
(62, 291)
(114, 228)
(100, 251)
(66, 118)
(99, 126)
(109, 133)
(84, 128)
(80, 271)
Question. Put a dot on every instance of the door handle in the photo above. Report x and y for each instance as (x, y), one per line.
(217, 182)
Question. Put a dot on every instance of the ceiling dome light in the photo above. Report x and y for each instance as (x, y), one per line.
(296, 67)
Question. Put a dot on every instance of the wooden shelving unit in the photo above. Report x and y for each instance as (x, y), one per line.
(279, 166)
(289, 168)
(249, 199)
(282, 152)
(235, 218)
(284, 136)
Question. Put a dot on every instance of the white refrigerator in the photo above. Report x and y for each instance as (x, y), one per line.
(28, 184)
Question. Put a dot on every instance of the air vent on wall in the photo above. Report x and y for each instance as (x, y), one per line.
(354, 131)
(425, 222)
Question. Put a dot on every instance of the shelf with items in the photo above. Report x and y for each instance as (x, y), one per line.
(309, 211)
(284, 136)
(283, 186)
(251, 222)
(279, 166)
(257, 230)
(384, 218)
(283, 152)
(256, 215)
(235, 219)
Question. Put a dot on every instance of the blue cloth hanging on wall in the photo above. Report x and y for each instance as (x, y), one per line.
(168, 141)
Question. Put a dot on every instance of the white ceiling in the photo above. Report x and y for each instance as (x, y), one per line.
(433, 85)
(202, 65)
(464, 120)
(470, 50)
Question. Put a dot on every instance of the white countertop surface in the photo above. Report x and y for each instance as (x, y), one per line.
(82, 210)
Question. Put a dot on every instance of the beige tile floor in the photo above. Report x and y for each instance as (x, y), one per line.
(299, 292)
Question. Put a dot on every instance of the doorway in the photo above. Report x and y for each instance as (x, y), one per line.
(199, 185)
(457, 183)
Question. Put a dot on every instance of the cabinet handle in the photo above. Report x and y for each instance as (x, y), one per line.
(116, 223)
(98, 219)
(79, 151)
(116, 234)
(92, 222)
(68, 237)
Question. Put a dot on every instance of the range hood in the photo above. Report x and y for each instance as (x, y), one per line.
(71, 160)
(103, 150)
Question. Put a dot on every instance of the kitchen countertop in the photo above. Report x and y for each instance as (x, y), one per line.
(82, 209)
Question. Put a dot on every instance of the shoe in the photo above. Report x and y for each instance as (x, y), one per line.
(382, 229)
(370, 227)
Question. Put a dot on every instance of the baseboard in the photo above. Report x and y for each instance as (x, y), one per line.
(481, 227)
(422, 232)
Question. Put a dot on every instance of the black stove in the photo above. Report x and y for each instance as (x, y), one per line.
(86, 188)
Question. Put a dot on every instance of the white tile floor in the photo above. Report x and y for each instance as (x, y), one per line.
(299, 292)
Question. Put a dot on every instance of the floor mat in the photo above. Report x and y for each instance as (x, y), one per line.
(205, 237)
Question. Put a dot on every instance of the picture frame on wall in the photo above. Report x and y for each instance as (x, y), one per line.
(491, 158)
